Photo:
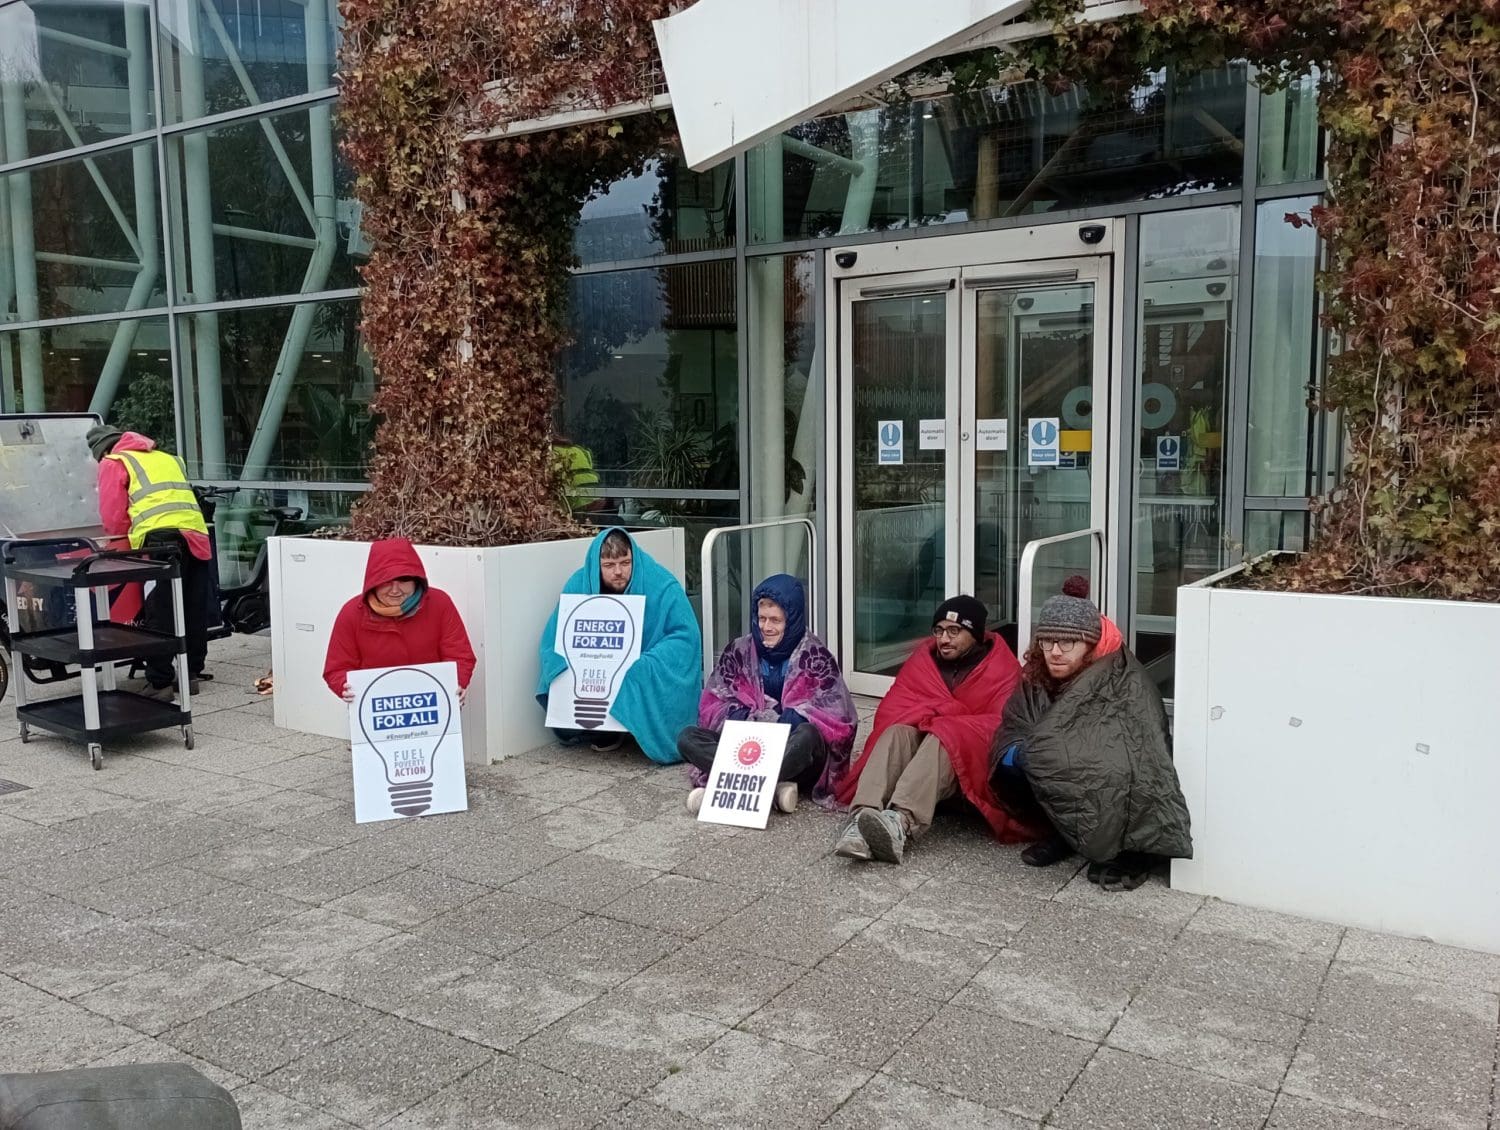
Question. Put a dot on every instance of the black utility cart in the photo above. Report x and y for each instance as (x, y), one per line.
(94, 645)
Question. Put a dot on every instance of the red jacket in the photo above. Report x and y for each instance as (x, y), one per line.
(433, 633)
(964, 720)
(114, 495)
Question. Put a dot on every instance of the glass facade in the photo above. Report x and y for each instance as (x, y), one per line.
(197, 282)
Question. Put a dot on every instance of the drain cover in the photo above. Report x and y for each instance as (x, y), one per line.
(12, 787)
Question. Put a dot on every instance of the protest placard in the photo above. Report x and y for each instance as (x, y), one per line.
(599, 637)
(407, 739)
(747, 766)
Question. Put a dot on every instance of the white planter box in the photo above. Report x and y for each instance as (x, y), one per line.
(1341, 758)
(504, 594)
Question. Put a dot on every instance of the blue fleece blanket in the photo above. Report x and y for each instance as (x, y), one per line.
(659, 695)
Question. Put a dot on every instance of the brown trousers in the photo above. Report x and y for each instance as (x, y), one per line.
(908, 771)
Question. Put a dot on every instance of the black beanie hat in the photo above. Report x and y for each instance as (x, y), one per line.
(965, 611)
(100, 438)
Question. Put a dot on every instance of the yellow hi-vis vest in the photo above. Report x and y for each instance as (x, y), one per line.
(160, 496)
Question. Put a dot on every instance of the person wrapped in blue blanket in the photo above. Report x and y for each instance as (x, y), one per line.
(658, 695)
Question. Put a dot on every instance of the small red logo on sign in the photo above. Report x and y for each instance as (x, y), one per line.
(749, 753)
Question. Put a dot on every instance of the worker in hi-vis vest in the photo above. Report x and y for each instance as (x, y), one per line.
(144, 494)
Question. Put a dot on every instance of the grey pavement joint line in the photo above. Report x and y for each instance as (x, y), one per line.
(1306, 1024)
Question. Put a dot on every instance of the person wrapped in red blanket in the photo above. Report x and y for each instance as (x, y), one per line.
(932, 737)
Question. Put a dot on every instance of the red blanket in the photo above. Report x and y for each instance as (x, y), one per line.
(964, 720)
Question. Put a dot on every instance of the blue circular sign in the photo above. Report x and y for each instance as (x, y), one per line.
(1043, 433)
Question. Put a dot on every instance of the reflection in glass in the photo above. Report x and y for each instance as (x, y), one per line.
(786, 407)
(666, 209)
(900, 358)
(1007, 151)
(84, 369)
(1289, 135)
(650, 384)
(1268, 530)
(263, 207)
(290, 386)
(94, 240)
(73, 74)
(1034, 359)
(221, 55)
(1189, 263)
(1283, 351)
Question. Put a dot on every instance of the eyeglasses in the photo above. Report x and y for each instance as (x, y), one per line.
(947, 631)
(1062, 647)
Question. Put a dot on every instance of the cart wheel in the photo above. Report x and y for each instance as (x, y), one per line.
(96, 755)
(187, 736)
(25, 733)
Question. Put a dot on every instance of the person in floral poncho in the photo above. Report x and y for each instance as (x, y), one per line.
(780, 672)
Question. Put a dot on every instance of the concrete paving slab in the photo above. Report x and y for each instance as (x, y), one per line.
(33, 922)
(229, 912)
(1292, 1113)
(261, 1109)
(788, 929)
(497, 860)
(569, 786)
(177, 991)
(508, 1094)
(142, 893)
(660, 844)
(499, 1005)
(322, 878)
(499, 923)
(857, 1022)
(1209, 1034)
(885, 1103)
(395, 970)
(369, 1077)
(73, 964)
(1068, 997)
(905, 958)
(57, 1036)
(1357, 998)
(619, 1043)
(992, 1061)
(573, 829)
(678, 904)
(252, 855)
(1426, 960)
(743, 1080)
(408, 899)
(157, 1051)
(315, 939)
(1118, 1090)
(582, 882)
(869, 891)
(278, 810)
(598, 951)
(257, 1034)
(1397, 1073)
(722, 985)
(1154, 900)
(962, 910)
(635, 799)
(643, 1114)
(1268, 977)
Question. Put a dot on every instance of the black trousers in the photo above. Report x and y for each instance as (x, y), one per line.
(197, 591)
(806, 753)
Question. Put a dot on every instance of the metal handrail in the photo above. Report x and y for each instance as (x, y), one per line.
(706, 556)
(1028, 563)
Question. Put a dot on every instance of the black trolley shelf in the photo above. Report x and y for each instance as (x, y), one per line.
(94, 644)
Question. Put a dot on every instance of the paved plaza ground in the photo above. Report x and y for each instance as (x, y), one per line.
(576, 951)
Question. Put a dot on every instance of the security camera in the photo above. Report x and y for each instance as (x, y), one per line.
(1092, 233)
(846, 259)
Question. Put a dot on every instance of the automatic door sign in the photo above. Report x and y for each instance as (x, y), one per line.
(408, 746)
(993, 435)
(1042, 433)
(600, 637)
(747, 765)
(932, 435)
(1168, 453)
(891, 435)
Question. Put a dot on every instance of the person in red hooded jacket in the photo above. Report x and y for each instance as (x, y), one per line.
(398, 619)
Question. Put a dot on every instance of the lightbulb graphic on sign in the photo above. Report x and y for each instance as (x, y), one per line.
(404, 724)
(597, 639)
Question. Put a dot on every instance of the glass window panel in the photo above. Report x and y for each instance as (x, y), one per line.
(666, 209)
(122, 370)
(277, 393)
(263, 207)
(1283, 351)
(1268, 530)
(1007, 151)
(1188, 271)
(786, 407)
(221, 55)
(650, 385)
(94, 240)
(1290, 140)
(73, 74)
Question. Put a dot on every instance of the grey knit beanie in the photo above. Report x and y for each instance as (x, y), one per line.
(101, 439)
(1071, 616)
